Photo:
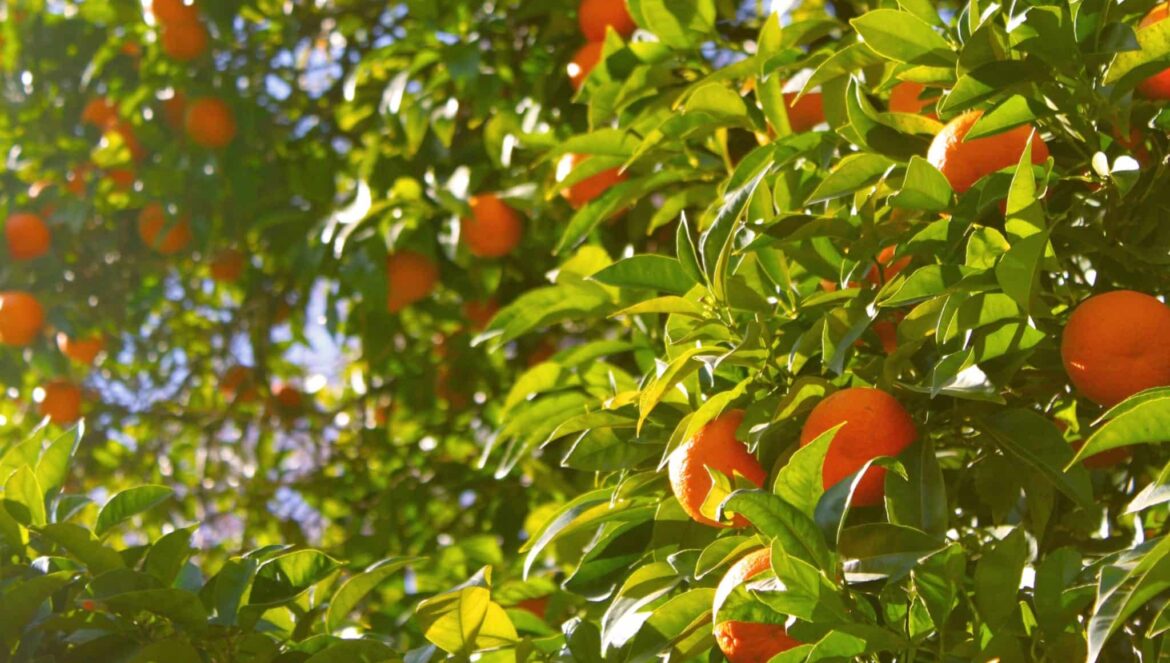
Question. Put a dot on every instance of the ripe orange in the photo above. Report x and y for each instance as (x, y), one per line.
(537, 606)
(174, 110)
(887, 333)
(597, 15)
(493, 229)
(906, 97)
(61, 402)
(287, 400)
(411, 277)
(1117, 344)
(183, 40)
(80, 350)
(152, 221)
(750, 642)
(210, 123)
(806, 113)
(1158, 85)
(174, 11)
(886, 267)
(121, 178)
(480, 313)
(238, 383)
(714, 446)
(875, 425)
(583, 62)
(591, 187)
(965, 162)
(228, 266)
(1105, 459)
(21, 318)
(100, 112)
(27, 236)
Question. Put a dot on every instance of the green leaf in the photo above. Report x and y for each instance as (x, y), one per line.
(83, 545)
(166, 557)
(920, 499)
(643, 586)
(1130, 66)
(924, 188)
(787, 525)
(129, 503)
(800, 481)
(997, 579)
(678, 24)
(20, 600)
(177, 605)
(354, 651)
(681, 366)
(286, 576)
(1143, 418)
(464, 621)
(653, 272)
(851, 174)
(1035, 440)
(53, 466)
(356, 588)
(1139, 576)
(24, 499)
(903, 37)
(166, 651)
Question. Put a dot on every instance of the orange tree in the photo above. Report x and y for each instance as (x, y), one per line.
(592, 330)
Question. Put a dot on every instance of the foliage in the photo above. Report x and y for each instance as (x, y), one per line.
(438, 488)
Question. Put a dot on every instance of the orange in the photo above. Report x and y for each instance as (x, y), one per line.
(287, 399)
(887, 333)
(480, 313)
(80, 350)
(76, 180)
(21, 318)
(965, 162)
(174, 110)
(27, 236)
(1105, 459)
(228, 266)
(886, 267)
(597, 15)
(238, 383)
(411, 278)
(1158, 85)
(583, 62)
(714, 446)
(151, 223)
(210, 123)
(183, 40)
(591, 187)
(750, 642)
(100, 112)
(174, 11)
(1117, 344)
(121, 178)
(906, 97)
(537, 606)
(493, 229)
(62, 402)
(875, 424)
(806, 113)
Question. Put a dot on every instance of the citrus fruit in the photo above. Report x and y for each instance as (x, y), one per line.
(61, 402)
(537, 606)
(493, 229)
(228, 266)
(1117, 344)
(887, 267)
(287, 400)
(591, 187)
(100, 112)
(875, 424)
(716, 447)
(750, 642)
(167, 236)
(174, 11)
(80, 350)
(804, 113)
(210, 123)
(1158, 85)
(183, 40)
(597, 15)
(965, 162)
(238, 384)
(21, 318)
(480, 313)
(27, 236)
(583, 62)
(906, 97)
(411, 277)
(122, 179)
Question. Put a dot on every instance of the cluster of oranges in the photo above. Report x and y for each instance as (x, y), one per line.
(182, 35)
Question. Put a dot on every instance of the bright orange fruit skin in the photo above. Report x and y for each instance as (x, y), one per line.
(591, 187)
(714, 446)
(27, 236)
(965, 162)
(21, 318)
(493, 230)
(1117, 344)
(152, 221)
(100, 112)
(80, 350)
(62, 402)
(537, 606)
(597, 15)
(583, 62)
(411, 278)
(750, 642)
(1158, 85)
(210, 123)
(183, 41)
(906, 97)
(875, 425)
(806, 113)
(173, 11)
